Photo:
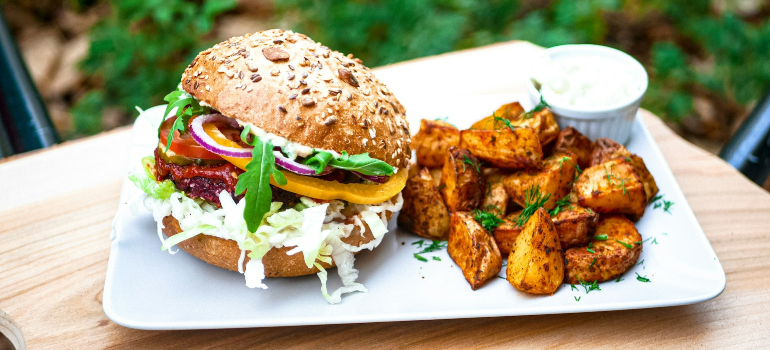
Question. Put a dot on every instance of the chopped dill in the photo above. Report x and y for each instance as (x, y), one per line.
(533, 200)
(488, 220)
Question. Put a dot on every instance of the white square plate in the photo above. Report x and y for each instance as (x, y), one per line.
(146, 288)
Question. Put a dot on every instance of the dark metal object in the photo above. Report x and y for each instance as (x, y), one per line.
(25, 122)
(749, 148)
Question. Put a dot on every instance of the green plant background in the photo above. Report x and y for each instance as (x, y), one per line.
(690, 49)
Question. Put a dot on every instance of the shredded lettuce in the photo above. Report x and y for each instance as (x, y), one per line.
(146, 181)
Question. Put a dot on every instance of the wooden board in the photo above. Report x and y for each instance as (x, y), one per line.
(57, 206)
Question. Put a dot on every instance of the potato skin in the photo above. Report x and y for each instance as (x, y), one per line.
(575, 225)
(495, 197)
(474, 251)
(462, 186)
(509, 111)
(424, 212)
(504, 148)
(605, 149)
(612, 258)
(571, 140)
(648, 182)
(432, 142)
(555, 179)
(536, 262)
(612, 187)
(505, 235)
(542, 122)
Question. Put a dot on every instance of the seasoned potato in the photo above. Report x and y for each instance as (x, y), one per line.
(575, 225)
(536, 262)
(606, 149)
(436, 174)
(461, 183)
(424, 212)
(610, 258)
(504, 148)
(474, 251)
(612, 187)
(542, 122)
(495, 197)
(555, 179)
(571, 140)
(505, 234)
(432, 142)
(508, 111)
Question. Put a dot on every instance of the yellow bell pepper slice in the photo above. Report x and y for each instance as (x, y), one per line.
(321, 189)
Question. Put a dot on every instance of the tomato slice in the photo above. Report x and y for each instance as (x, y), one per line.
(321, 189)
(184, 145)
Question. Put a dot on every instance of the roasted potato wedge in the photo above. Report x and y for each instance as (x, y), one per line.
(436, 174)
(575, 225)
(461, 183)
(495, 197)
(474, 251)
(504, 148)
(536, 261)
(569, 139)
(650, 187)
(505, 234)
(606, 149)
(424, 212)
(432, 142)
(555, 179)
(542, 122)
(612, 187)
(610, 258)
(509, 111)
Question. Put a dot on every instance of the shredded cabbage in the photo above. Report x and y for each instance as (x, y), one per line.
(309, 227)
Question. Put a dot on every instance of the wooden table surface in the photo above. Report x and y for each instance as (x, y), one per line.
(57, 206)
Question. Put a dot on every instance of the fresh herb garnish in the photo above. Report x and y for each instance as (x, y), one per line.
(654, 241)
(667, 205)
(625, 244)
(577, 298)
(505, 122)
(642, 278)
(361, 163)
(592, 252)
(619, 279)
(589, 287)
(434, 246)
(532, 201)
(436, 258)
(467, 160)
(641, 262)
(659, 202)
(537, 108)
(573, 287)
(186, 106)
(559, 204)
(640, 242)
(592, 263)
(600, 238)
(420, 257)
(490, 221)
(256, 183)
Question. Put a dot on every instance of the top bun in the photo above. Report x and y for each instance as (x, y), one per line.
(287, 84)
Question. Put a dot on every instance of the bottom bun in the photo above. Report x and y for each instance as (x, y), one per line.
(225, 252)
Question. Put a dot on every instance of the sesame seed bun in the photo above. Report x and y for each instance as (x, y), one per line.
(225, 253)
(287, 84)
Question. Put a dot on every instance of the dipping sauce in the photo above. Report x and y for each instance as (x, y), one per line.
(586, 82)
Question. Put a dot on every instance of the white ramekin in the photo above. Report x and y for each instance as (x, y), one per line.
(613, 121)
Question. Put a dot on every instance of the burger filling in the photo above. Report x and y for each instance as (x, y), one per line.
(228, 180)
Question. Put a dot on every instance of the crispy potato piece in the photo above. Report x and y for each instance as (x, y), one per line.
(495, 197)
(575, 225)
(461, 183)
(612, 187)
(606, 149)
(611, 258)
(424, 212)
(536, 262)
(432, 142)
(542, 122)
(474, 251)
(508, 111)
(504, 148)
(569, 139)
(505, 234)
(436, 175)
(555, 179)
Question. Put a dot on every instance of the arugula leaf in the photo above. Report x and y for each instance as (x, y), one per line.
(256, 183)
(361, 163)
(186, 106)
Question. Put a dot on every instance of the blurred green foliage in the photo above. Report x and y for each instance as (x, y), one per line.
(139, 52)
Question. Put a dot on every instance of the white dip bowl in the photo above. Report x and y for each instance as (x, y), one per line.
(595, 89)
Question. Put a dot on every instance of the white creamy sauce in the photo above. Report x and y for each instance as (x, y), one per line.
(584, 82)
(290, 149)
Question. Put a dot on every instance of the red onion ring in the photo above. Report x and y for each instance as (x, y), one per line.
(380, 179)
(200, 136)
(298, 168)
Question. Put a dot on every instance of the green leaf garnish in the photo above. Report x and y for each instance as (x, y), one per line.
(589, 286)
(186, 107)
(361, 163)
(600, 238)
(533, 200)
(537, 108)
(255, 182)
(625, 244)
(436, 258)
(490, 221)
(642, 278)
(434, 246)
(559, 204)
(467, 160)
(420, 257)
